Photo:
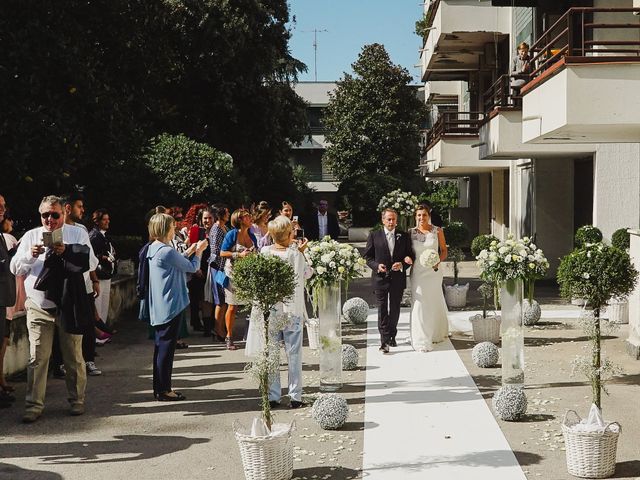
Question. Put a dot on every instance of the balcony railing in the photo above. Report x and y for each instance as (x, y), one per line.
(573, 38)
(502, 95)
(452, 124)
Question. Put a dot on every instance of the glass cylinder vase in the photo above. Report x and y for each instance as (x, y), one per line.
(330, 333)
(512, 332)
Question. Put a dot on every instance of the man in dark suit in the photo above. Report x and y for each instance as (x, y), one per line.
(388, 254)
(321, 223)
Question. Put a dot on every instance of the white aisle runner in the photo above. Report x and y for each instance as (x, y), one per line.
(426, 419)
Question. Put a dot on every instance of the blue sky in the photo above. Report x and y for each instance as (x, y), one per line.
(352, 24)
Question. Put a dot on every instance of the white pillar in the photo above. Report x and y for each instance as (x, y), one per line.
(633, 342)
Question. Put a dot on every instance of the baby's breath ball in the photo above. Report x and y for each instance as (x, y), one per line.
(355, 310)
(349, 357)
(531, 312)
(330, 411)
(510, 403)
(485, 354)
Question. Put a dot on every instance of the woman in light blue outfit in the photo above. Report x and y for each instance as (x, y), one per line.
(168, 298)
(286, 248)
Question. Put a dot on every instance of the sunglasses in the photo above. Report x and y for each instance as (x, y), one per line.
(54, 215)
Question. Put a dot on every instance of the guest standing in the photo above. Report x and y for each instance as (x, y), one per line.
(238, 243)
(321, 223)
(7, 295)
(168, 298)
(106, 253)
(216, 263)
(261, 215)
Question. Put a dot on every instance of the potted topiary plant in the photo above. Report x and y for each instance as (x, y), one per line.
(481, 242)
(587, 234)
(618, 307)
(595, 272)
(486, 328)
(456, 233)
(267, 448)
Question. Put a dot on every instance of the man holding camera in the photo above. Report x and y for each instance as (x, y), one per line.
(31, 260)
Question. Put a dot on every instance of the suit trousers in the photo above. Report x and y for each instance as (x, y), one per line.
(41, 325)
(166, 336)
(388, 298)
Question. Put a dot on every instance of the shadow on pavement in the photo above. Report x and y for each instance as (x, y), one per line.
(336, 473)
(13, 472)
(123, 448)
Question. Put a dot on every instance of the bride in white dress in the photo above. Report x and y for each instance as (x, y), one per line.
(429, 323)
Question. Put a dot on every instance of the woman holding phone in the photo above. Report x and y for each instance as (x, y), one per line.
(238, 243)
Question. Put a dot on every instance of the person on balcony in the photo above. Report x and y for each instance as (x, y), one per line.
(521, 69)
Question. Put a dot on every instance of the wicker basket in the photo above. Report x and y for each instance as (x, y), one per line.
(266, 458)
(590, 454)
(312, 333)
(618, 310)
(486, 329)
(456, 295)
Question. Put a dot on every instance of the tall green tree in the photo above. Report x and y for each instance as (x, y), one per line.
(372, 121)
(85, 84)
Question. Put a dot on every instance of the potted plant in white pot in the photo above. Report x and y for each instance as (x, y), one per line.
(586, 234)
(456, 234)
(595, 272)
(618, 307)
(486, 328)
(267, 448)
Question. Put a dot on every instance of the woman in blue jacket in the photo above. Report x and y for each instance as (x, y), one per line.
(168, 298)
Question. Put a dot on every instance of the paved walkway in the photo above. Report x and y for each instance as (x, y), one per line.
(425, 418)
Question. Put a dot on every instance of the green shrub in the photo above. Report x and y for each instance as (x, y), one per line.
(127, 247)
(456, 233)
(482, 242)
(620, 239)
(587, 234)
(189, 169)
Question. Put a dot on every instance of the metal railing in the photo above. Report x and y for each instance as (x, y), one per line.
(574, 37)
(452, 124)
(501, 94)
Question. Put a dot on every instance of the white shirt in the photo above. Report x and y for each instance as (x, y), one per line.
(391, 239)
(322, 226)
(23, 263)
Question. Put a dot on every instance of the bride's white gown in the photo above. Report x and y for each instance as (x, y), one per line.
(429, 323)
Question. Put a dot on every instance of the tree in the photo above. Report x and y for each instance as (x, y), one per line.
(190, 170)
(86, 84)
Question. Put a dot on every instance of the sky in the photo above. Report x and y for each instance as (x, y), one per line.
(350, 25)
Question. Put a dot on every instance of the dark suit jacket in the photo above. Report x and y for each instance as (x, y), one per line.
(7, 280)
(377, 252)
(312, 229)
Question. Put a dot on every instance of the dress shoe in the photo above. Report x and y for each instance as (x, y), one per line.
(384, 348)
(392, 342)
(296, 404)
(165, 397)
(77, 409)
(274, 404)
(30, 417)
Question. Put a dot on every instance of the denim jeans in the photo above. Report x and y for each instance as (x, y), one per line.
(292, 337)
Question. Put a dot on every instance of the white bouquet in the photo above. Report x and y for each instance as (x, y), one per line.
(511, 259)
(402, 202)
(333, 262)
(430, 258)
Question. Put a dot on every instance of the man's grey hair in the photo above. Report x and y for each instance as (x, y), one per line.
(51, 200)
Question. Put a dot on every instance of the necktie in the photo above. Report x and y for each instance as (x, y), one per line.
(391, 241)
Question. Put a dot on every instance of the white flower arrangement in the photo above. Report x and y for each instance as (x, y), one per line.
(429, 258)
(403, 202)
(332, 262)
(512, 259)
(330, 411)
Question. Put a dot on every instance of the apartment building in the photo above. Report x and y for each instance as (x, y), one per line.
(564, 149)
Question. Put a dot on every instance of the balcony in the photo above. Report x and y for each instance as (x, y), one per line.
(501, 131)
(447, 147)
(586, 78)
(458, 33)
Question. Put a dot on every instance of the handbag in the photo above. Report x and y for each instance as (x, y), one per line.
(221, 279)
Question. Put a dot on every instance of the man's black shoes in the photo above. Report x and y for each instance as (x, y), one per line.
(392, 342)
(384, 348)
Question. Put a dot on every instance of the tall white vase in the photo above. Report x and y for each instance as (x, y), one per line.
(512, 332)
(330, 336)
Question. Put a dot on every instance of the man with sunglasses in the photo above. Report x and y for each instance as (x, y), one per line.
(43, 314)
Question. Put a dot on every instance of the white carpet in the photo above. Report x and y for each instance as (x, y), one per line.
(425, 418)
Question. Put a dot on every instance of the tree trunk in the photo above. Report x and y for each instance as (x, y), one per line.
(596, 360)
(264, 378)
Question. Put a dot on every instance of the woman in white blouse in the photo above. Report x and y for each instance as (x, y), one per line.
(285, 247)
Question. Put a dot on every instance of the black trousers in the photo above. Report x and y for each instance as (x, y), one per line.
(166, 336)
(388, 297)
(89, 336)
(196, 295)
